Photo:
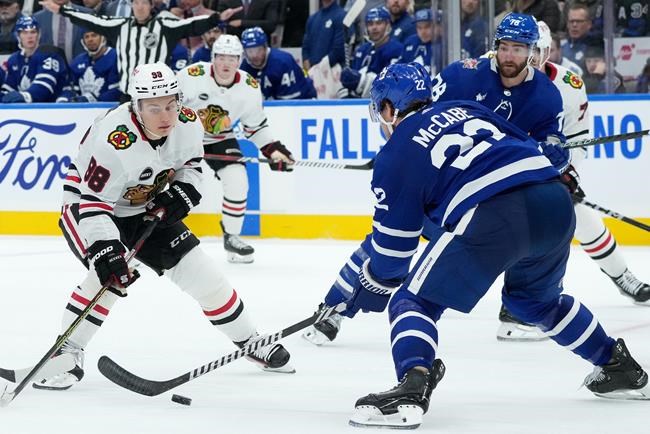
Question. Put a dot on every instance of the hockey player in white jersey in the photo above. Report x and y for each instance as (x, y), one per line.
(594, 237)
(222, 94)
(143, 158)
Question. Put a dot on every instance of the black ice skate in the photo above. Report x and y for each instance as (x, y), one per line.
(324, 331)
(271, 358)
(512, 329)
(65, 380)
(621, 378)
(402, 406)
(632, 287)
(237, 251)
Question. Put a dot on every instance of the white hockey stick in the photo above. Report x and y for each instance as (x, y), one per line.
(62, 363)
(348, 20)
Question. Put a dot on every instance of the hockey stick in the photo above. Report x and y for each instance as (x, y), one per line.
(611, 213)
(63, 363)
(7, 396)
(348, 20)
(606, 139)
(132, 382)
(301, 163)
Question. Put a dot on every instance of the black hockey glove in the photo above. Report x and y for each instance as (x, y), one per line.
(571, 179)
(280, 156)
(107, 256)
(175, 202)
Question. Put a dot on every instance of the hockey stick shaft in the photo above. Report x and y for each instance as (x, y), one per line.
(301, 163)
(611, 213)
(349, 35)
(132, 382)
(7, 397)
(606, 139)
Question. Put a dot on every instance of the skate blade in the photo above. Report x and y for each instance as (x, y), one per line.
(642, 394)
(510, 332)
(369, 416)
(315, 337)
(286, 369)
(235, 258)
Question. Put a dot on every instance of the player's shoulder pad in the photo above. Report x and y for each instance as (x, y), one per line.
(186, 114)
(572, 79)
(196, 70)
(248, 79)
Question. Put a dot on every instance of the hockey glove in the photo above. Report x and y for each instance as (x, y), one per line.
(559, 157)
(350, 79)
(571, 179)
(13, 97)
(280, 156)
(175, 203)
(370, 295)
(107, 256)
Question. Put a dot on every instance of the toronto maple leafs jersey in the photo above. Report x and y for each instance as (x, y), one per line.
(281, 77)
(180, 57)
(374, 59)
(40, 76)
(535, 105)
(220, 107)
(421, 52)
(118, 170)
(439, 163)
(202, 54)
(97, 80)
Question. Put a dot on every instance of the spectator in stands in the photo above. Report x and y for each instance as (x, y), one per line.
(596, 70)
(418, 48)
(371, 57)
(119, 8)
(324, 36)
(401, 21)
(34, 73)
(578, 26)
(595, 8)
(473, 30)
(278, 73)
(59, 31)
(633, 17)
(189, 9)
(643, 81)
(204, 52)
(100, 7)
(94, 73)
(260, 13)
(544, 10)
(9, 14)
(556, 56)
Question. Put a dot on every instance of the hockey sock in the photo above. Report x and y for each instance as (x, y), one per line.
(413, 331)
(348, 278)
(79, 299)
(235, 191)
(197, 275)
(598, 242)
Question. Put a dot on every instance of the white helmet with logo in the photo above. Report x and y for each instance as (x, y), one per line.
(228, 45)
(152, 80)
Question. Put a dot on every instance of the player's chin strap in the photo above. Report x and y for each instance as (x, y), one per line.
(389, 125)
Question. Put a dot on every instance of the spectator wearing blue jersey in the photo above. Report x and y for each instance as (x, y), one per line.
(34, 74)
(324, 36)
(371, 57)
(473, 30)
(94, 73)
(204, 52)
(498, 207)
(426, 44)
(278, 73)
(401, 22)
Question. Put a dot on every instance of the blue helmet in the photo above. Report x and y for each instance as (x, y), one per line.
(517, 28)
(403, 84)
(423, 15)
(26, 23)
(253, 37)
(378, 14)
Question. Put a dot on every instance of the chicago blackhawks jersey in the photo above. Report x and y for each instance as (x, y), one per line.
(118, 170)
(220, 107)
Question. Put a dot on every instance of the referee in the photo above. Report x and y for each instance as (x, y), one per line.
(142, 37)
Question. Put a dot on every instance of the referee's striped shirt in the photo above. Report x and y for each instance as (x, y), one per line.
(136, 43)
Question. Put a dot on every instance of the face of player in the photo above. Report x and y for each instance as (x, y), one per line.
(225, 67)
(211, 35)
(512, 58)
(159, 115)
(256, 56)
(141, 9)
(376, 30)
(556, 53)
(92, 40)
(29, 39)
(425, 31)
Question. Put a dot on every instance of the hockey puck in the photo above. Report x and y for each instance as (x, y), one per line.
(182, 399)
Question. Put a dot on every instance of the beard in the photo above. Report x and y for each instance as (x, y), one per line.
(511, 69)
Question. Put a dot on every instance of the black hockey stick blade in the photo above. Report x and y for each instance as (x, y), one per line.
(123, 378)
(605, 139)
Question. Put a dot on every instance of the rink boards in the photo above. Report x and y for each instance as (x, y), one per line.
(38, 141)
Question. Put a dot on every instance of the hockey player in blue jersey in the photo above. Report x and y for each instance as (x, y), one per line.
(180, 58)
(426, 43)
(277, 71)
(34, 74)
(94, 73)
(371, 57)
(498, 206)
(204, 52)
(506, 83)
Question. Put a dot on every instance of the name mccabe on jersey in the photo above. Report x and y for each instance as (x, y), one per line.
(451, 116)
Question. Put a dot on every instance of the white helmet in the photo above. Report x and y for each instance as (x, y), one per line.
(227, 44)
(152, 80)
(544, 42)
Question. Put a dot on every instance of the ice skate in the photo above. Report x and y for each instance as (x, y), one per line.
(402, 406)
(271, 358)
(65, 380)
(633, 288)
(324, 331)
(237, 251)
(511, 329)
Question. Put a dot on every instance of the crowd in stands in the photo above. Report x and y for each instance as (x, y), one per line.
(84, 50)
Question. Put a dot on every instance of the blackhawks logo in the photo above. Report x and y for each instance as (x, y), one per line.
(195, 70)
(572, 80)
(214, 119)
(121, 137)
(252, 82)
(186, 115)
(142, 193)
